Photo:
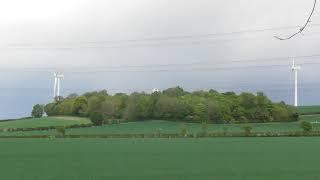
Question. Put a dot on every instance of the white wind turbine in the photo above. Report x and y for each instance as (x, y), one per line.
(295, 69)
(56, 89)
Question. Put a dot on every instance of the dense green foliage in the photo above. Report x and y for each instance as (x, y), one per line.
(61, 130)
(176, 104)
(306, 126)
(159, 159)
(96, 118)
(247, 129)
(37, 111)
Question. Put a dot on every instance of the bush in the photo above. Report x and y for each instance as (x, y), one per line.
(225, 130)
(61, 130)
(247, 129)
(97, 118)
(184, 130)
(108, 121)
(204, 128)
(306, 126)
(37, 111)
(159, 132)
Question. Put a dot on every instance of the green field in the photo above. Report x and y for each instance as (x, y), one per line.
(283, 158)
(175, 127)
(158, 159)
(162, 126)
(43, 122)
(147, 126)
(152, 126)
(309, 109)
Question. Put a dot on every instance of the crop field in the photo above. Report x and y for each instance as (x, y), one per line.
(158, 159)
(43, 122)
(285, 158)
(311, 118)
(173, 127)
(309, 109)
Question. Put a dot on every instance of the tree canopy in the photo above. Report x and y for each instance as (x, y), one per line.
(37, 111)
(176, 104)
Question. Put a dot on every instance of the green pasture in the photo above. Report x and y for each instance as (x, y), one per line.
(309, 109)
(158, 159)
(175, 127)
(43, 122)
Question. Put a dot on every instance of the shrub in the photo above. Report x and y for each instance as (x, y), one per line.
(204, 127)
(107, 121)
(97, 118)
(184, 130)
(247, 129)
(61, 130)
(225, 130)
(159, 132)
(37, 111)
(306, 126)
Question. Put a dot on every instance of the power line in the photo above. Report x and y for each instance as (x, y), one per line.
(134, 45)
(208, 62)
(224, 84)
(151, 39)
(131, 68)
(191, 69)
(303, 27)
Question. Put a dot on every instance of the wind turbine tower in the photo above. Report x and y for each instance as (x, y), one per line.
(295, 69)
(56, 89)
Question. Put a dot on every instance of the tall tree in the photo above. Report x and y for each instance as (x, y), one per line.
(37, 111)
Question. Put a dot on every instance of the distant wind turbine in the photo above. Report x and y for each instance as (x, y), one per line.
(56, 89)
(295, 69)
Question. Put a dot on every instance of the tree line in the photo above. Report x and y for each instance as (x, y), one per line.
(174, 104)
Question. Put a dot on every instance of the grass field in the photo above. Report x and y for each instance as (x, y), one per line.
(43, 122)
(309, 109)
(282, 158)
(158, 159)
(151, 126)
(175, 127)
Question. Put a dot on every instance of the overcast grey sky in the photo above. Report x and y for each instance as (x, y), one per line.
(75, 35)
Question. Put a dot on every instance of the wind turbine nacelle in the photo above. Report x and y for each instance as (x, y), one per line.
(295, 68)
(60, 76)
